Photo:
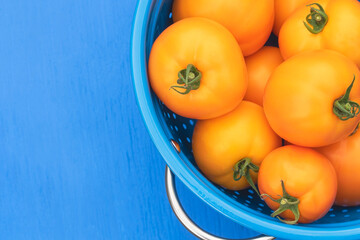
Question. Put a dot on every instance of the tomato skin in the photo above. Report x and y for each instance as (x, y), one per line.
(214, 52)
(250, 21)
(284, 9)
(300, 95)
(260, 66)
(218, 144)
(344, 156)
(307, 175)
(341, 33)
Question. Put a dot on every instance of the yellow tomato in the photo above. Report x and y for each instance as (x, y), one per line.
(250, 21)
(260, 66)
(197, 69)
(284, 9)
(307, 100)
(328, 24)
(345, 156)
(234, 145)
(298, 183)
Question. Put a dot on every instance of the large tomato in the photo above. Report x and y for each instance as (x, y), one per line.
(197, 69)
(250, 21)
(345, 156)
(229, 149)
(304, 179)
(328, 24)
(260, 66)
(307, 99)
(283, 9)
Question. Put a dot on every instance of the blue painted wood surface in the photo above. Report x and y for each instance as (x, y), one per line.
(76, 159)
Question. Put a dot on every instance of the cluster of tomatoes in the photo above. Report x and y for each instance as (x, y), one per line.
(284, 118)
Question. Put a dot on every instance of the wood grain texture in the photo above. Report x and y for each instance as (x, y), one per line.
(76, 159)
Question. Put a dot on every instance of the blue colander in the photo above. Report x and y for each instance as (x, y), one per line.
(166, 128)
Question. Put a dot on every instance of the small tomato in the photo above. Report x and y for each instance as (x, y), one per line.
(344, 156)
(229, 149)
(304, 179)
(326, 24)
(312, 98)
(197, 69)
(283, 9)
(260, 66)
(250, 21)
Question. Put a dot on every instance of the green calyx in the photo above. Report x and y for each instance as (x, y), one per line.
(317, 19)
(242, 169)
(345, 109)
(286, 202)
(189, 79)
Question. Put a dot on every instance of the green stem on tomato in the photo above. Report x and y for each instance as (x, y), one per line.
(287, 202)
(242, 169)
(345, 109)
(188, 80)
(317, 19)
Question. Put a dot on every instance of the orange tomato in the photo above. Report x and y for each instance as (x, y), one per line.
(197, 69)
(283, 9)
(334, 24)
(250, 21)
(309, 184)
(344, 156)
(306, 100)
(260, 66)
(234, 145)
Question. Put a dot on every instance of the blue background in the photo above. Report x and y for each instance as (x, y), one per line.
(76, 161)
